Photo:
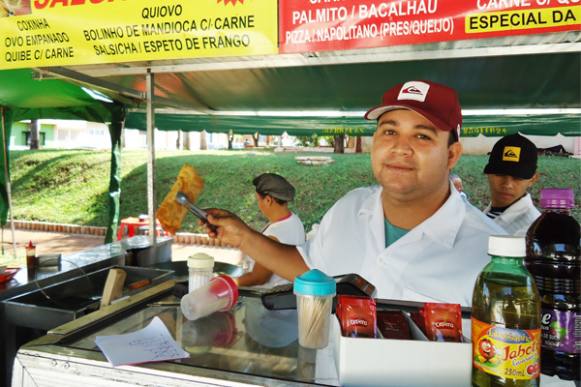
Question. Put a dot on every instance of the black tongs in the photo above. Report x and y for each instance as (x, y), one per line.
(182, 199)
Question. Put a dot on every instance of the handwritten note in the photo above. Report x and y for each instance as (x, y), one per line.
(150, 344)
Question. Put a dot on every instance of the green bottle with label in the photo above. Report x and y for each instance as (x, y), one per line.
(506, 319)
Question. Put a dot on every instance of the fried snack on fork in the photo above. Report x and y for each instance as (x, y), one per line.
(170, 213)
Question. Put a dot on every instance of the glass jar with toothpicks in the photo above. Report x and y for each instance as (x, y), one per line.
(315, 291)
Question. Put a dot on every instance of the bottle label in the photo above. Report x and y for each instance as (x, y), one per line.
(507, 353)
(561, 330)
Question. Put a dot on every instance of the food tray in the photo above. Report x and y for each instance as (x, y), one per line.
(7, 274)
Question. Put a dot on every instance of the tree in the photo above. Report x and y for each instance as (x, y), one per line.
(312, 140)
(230, 139)
(203, 140)
(123, 140)
(34, 134)
(339, 143)
(187, 141)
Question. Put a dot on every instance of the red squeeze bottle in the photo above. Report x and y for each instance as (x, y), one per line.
(30, 255)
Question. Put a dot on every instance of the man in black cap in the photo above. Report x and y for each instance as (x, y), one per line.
(511, 171)
(273, 192)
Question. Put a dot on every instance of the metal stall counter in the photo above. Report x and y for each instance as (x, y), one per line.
(71, 265)
(248, 345)
(25, 281)
(34, 301)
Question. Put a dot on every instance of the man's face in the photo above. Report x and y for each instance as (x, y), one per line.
(410, 157)
(505, 189)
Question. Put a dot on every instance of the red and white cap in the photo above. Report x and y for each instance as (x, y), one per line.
(436, 102)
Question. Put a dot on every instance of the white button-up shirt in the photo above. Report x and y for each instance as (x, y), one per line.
(289, 231)
(517, 218)
(438, 260)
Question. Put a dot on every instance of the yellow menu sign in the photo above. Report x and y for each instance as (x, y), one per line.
(42, 33)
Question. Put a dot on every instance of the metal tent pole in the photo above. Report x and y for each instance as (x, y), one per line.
(7, 181)
(149, 81)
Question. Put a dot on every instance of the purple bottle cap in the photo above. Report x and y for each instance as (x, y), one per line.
(557, 198)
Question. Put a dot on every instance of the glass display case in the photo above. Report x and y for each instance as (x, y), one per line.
(248, 345)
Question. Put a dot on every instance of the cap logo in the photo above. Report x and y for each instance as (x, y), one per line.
(511, 153)
(414, 90)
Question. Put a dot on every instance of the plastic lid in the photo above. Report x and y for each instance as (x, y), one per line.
(557, 198)
(30, 245)
(314, 283)
(201, 261)
(232, 287)
(138, 242)
(507, 246)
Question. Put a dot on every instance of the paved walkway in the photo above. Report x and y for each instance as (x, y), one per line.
(54, 242)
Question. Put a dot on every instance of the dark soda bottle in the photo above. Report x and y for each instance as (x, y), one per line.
(554, 260)
(506, 319)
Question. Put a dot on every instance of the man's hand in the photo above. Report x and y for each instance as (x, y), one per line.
(231, 230)
(283, 260)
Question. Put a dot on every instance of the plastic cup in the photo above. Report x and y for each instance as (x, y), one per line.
(200, 269)
(314, 315)
(218, 295)
(314, 291)
(217, 330)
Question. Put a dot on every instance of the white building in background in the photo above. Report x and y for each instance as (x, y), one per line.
(136, 139)
(78, 134)
(62, 134)
(75, 134)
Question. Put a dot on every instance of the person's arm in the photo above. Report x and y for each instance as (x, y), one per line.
(284, 260)
(259, 274)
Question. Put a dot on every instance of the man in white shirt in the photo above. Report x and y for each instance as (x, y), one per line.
(457, 183)
(273, 193)
(412, 236)
(511, 171)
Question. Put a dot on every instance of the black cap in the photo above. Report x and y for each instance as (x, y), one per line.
(514, 156)
(275, 186)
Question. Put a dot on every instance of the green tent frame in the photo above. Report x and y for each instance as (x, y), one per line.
(497, 125)
(22, 97)
(270, 84)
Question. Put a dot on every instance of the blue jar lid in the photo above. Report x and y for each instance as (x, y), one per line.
(314, 283)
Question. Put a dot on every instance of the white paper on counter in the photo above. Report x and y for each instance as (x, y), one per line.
(150, 344)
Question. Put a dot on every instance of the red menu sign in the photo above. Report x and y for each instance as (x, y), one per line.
(319, 25)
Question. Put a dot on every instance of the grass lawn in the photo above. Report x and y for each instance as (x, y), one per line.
(70, 186)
